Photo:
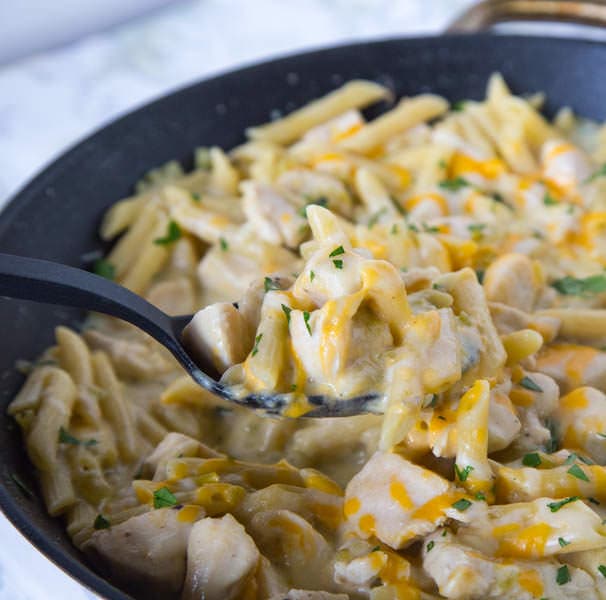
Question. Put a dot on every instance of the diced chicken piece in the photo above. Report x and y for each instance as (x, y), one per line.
(309, 595)
(531, 530)
(221, 560)
(399, 502)
(581, 417)
(130, 359)
(573, 366)
(174, 297)
(218, 334)
(564, 164)
(280, 534)
(146, 553)
(172, 446)
(462, 573)
(316, 187)
(277, 219)
(514, 280)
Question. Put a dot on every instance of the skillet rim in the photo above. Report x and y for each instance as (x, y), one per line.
(79, 570)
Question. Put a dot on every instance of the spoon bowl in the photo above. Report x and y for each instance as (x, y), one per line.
(53, 283)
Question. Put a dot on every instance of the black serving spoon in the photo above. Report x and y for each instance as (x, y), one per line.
(54, 283)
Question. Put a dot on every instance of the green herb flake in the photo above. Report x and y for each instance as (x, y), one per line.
(270, 284)
(563, 575)
(306, 317)
(338, 264)
(463, 474)
(65, 437)
(453, 184)
(164, 498)
(376, 549)
(462, 504)
(257, 341)
(562, 542)
(27, 492)
(374, 219)
(430, 228)
(312, 276)
(293, 387)
(481, 496)
(549, 200)
(196, 197)
(480, 275)
(430, 546)
(577, 472)
(442, 164)
(337, 252)
(602, 570)
(413, 227)
(223, 243)
(101, 523)
(498, 197)
(601, 172)
(476, 227)
(531, 460)
(529, 384)
(572, 457)
(173, 233)
(394, 229)
(104, 268)
(444, 533)
(458, 106)
(593, 500)
(570, 286)
(555, 506)
(286, 310)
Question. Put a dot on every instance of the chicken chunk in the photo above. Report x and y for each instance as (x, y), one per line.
(218, 334)
(145, 553)
(398, 501)
(581, 417)
(221, 560)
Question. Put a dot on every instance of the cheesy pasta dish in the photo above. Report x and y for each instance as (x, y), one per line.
(447, 263)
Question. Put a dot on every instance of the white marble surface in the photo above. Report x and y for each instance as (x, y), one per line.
(49, 101)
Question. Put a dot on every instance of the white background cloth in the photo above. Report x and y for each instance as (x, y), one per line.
(49, 101)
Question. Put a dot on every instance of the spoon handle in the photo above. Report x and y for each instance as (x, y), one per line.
(53, 283)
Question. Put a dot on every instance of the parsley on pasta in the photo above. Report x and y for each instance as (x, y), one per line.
(570, 286)
(173, 233)
(104, 268)
(164, 498)
(65, 437)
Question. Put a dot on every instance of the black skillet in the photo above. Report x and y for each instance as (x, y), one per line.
(57, 215)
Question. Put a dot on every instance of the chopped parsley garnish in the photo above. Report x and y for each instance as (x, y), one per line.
(376, 549)
(286, 310)
(27, 492)
(481, 496)
(430, 228)
(480, 275)
(444, 533)
(555, 506)
(497, 197)
(562, 542)
(101, 523)
(270, 284)
(453, 184)
(572, 457)
(601, 172)
(577, 472)
(413, 227)
(320, 201)
(196, 197)
(529, 384)
(223, 243)
(462, 504)
(312, 276)
(593, 500)
(563, 575)
(293, 387)
(602, 570)
(571, 286)
(430, 546)
(337, 251)
(549, 200)
(476, 227)
(306, 317)
(65, 437)
(394, 229)
(602, 435)
(374, 219)
(173, 233)
(463, 474)
(164, 498)
(531, 460)
(442, 164)
(104, 268)
(338, 264)
(458, 106)
(257, 341)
